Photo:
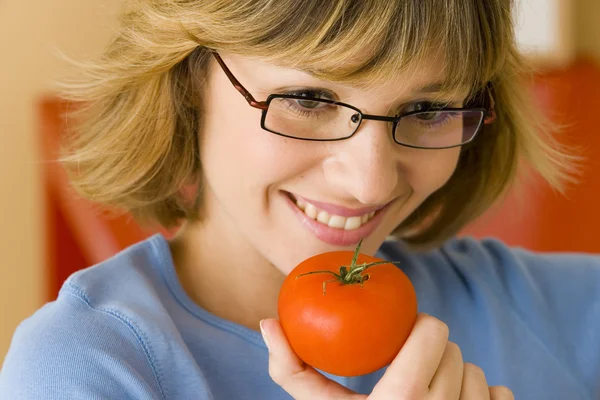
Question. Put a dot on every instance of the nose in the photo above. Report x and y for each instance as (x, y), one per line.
(365, 166)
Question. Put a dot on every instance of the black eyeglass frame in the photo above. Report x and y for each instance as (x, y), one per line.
(487, 110)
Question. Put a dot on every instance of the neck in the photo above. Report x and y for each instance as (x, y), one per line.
(229, 280)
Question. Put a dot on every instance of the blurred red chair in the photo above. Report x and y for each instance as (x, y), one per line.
(545, 220)
(78, 235)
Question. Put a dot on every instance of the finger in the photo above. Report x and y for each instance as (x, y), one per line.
(411, 372)
(474, 384)
(447, 381)
(501, 393)
(301, 381)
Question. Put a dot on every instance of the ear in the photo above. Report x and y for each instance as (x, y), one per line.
(189, 193)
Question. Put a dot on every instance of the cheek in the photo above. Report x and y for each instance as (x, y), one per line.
(238, 155)
(233, 139)
(431, 170)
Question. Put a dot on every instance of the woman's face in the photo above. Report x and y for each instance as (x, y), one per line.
(264, 191)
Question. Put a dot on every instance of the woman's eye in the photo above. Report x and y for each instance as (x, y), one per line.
(313, 97)
(309, 103)
(313, 93)
(425, 106)
(428, 116)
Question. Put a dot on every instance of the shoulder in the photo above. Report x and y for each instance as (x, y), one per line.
(545, 291)
(561, 288)
(92, 340)
(504, 269)
(137, 267)
(515, 271)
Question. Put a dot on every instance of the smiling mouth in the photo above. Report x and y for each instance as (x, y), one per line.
(332, 220)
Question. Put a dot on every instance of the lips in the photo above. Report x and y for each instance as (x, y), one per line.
(332, 215)
(335, 224)
(334, 209)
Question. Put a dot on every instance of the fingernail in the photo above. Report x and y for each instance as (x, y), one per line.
(264, 335)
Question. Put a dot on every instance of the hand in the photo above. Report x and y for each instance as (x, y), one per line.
(427, 367)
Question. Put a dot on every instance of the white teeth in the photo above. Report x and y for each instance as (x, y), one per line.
(323, 217)
(334, 221)
(337, 222)
(301, 204)
(311, 211)
(353, 223)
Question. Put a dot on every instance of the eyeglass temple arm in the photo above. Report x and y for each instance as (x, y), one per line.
(262, 105)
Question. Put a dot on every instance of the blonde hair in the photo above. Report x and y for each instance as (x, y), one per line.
(134, 144)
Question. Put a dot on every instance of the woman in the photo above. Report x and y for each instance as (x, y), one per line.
(273, 131)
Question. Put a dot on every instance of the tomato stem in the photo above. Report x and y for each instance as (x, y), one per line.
(352, 274)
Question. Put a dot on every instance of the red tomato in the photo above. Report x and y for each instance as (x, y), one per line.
(351, 318)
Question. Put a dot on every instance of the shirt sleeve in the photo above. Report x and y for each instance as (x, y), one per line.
(70, 350)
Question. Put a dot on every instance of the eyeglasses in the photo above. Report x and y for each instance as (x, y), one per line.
(311, 118)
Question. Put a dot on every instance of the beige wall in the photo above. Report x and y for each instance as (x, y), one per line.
(29, 31)
(544, 30)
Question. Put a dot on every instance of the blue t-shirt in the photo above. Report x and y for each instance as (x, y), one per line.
(125, 329)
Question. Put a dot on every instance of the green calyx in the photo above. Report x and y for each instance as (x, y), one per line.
(351, 274)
